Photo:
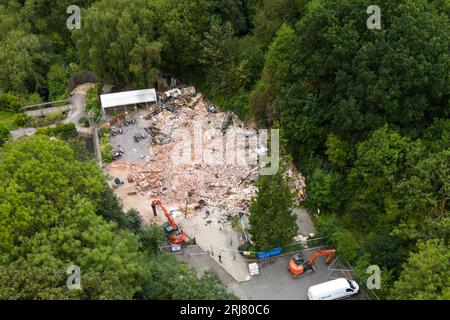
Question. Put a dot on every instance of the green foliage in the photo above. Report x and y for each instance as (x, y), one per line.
(51, 217)
(22, 120)
(361, 276)
(49, 17)
(346, 245)
(60, 130)
(272, 223)
(93, 100)
(48, 215)
(151, 236)
(339, 152)
(106, 148)
(7, 120)
(385, 250)
(4, 134)
(324, 191)
(24, 61)
(272, 14)
(277, 71)
(380, 162)
(135, 219)
(426, 275)
(9, 102)
(49, 119)
(58, 77)
(26, 283)
(167, 278)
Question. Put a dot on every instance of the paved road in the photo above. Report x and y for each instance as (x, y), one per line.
(77, 101)
(274, 281)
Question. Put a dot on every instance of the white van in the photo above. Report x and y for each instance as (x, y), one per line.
(334, 289)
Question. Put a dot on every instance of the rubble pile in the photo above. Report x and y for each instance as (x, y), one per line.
(195, 184)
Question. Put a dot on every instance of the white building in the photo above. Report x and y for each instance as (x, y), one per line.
(120, 101)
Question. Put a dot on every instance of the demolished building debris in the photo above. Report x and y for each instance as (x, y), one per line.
(198, 183)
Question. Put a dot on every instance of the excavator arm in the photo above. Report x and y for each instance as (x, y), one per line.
(169, 217)
(175, 233)
(328, 253)
(297, 267)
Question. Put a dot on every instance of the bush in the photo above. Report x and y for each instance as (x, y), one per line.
(151, 237)
(85, 122)
(22, 120)
(9, 102)
(93, 100)
(135, 219)
(324, 191)
(346, 245)
(4, 134)
(48, 119)
(106, 150)
(386, 250)
(248, 246)
(58, 77)
(60, 130)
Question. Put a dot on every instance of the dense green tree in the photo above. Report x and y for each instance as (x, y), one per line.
(331, 227)
(167, 278)
(272, 222)
(339, 152)
(271, 14)
(280, 59)
(385, 250)
(111, 51)
(152, 236)
(324, 191)
(58, 82)
(363, 79)
(24, 61)
(305, 135)
(49, 17)
(380, 162)
(51, 211)
(49, 219)
(426, 275)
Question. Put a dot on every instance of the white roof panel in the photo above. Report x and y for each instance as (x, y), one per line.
(127, 97)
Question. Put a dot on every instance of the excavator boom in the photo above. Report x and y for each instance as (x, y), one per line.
(329, 253)
(176, 234)
(299, 266)
(169, 217)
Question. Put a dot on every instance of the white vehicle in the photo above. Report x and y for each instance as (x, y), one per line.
(334, 289)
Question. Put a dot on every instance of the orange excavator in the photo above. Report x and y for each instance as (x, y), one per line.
(174, 232)
(298, 265)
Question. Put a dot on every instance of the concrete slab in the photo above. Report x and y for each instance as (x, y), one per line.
(218, 238)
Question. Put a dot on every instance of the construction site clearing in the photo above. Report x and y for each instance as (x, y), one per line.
(202, 196)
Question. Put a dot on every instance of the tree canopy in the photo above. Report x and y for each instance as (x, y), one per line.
(272, 222)
(53, 215)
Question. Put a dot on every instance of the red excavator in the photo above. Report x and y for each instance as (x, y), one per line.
(174, 232)
(298, 265)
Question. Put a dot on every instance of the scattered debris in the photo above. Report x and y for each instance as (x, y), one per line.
(195, 185)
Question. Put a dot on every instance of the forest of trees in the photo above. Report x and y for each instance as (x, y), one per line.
(57, 210)
(365, 113)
